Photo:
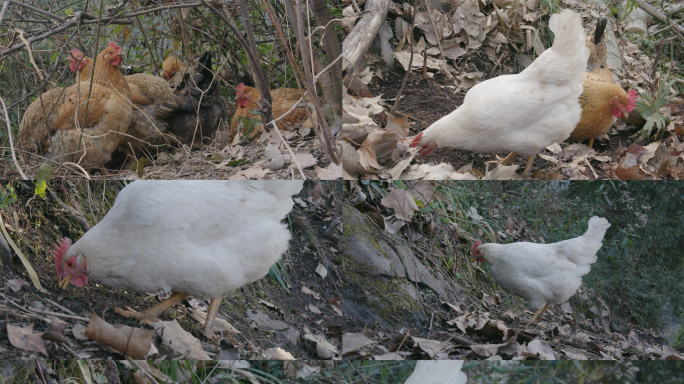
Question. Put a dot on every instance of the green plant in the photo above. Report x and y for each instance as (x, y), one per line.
(650, 105)
(7, 196)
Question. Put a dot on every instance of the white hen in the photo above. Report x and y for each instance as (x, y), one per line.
(525, 112)
(543, 274)
(437, 372)
(199, 238)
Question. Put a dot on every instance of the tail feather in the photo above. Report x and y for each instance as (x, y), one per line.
(178, 103)
(600, 30)
(568, 33)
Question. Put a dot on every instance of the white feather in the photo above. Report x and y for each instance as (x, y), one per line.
(438, 372)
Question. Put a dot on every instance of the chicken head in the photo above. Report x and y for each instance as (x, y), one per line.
(621, 107)
(171, 65)
(113, 54)
(478, 254)
(245, 95)
(77, 60)
(71, 269)
(425, 148)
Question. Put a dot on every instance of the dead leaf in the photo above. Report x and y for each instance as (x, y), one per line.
(352, 342)
(540, 350)
(305, 160)
(402, 202)
(16, 284)
(135, 342)
(220, 325)
(178, 340)
(24, 338)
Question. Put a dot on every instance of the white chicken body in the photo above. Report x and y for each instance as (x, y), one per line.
(527, 111)
(438, 372)
(201, 238)
(545, 274)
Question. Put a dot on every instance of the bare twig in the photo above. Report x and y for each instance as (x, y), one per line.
(441, 52)
(282, 139)
(3, 10)
(410, 66)
(11, 142)
(38, 10)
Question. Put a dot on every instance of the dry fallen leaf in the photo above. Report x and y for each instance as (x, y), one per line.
(134, 342)
(402, 202)
(176, 339)
(24, 338)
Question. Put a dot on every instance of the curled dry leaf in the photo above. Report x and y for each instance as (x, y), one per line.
(134, 342)
(402, 202)
(179, 341)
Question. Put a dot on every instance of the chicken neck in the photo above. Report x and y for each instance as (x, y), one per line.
(152, 313)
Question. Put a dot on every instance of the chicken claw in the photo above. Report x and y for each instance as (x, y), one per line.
(151, 314)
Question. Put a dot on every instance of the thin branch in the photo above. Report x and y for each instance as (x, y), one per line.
(4, 9)
(9, 135)
(38, 10)
(410, 66)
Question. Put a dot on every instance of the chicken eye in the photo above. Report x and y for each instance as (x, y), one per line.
(70, 264)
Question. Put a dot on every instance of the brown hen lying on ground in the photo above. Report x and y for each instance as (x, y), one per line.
(57, 126)
(247, 113)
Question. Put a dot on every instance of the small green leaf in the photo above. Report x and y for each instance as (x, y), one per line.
(68, 12)
(45, 172)
(40, 188)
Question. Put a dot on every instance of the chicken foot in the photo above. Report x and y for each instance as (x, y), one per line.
(509, 160)
(537, 316)
(152, 313)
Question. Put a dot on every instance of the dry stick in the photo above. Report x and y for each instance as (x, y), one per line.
(328, 142)
(4, 9)
(410, 66)
(9, 135)
(322, 129)
(294, 159)
(427, 5)
(656, 13)
(251, 57)
(30, 53)
(84, 18)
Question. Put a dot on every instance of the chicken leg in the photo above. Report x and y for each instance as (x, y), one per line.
(153, 312)
(214, 305)
(528, 167)
(509, 159)
(591, 142)
(537, 316)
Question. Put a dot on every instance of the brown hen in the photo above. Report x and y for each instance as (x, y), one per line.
(283, 100)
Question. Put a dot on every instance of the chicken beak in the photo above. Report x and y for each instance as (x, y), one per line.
(65, 281)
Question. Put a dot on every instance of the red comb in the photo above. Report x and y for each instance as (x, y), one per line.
(113, 45)
(631, 100)
(75, 52)
(59, 251)
(417, 139)
(477, 244)
(241, 86)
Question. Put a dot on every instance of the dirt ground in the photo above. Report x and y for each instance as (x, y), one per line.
(426, 101)
(35, 224)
